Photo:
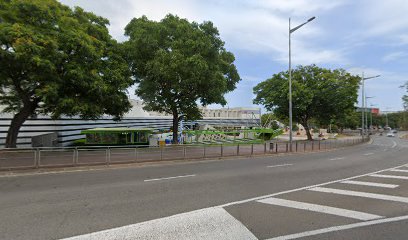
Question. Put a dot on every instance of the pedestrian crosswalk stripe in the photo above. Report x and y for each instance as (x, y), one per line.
(320, 208)
(360, 194)
(399, 170)
(371, 184)
(389, 176)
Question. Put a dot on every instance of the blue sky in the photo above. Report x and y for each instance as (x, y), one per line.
(358, 35)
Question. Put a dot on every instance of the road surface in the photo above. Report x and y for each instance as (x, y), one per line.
(357, 192)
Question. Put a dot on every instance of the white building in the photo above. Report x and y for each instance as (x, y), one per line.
(69, 128)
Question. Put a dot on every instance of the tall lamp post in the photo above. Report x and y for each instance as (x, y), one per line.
(291, 30)
(363, 102)
(368, 127)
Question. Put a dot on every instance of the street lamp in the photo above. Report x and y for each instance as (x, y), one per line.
(366, 114)
(291, 30)
(363, 102)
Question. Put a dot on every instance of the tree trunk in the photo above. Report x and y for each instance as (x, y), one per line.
(175, 127)
(309, 135)
(16, 123)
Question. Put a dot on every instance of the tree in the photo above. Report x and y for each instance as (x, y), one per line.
(318, 93)
(58, 61)
(405, 97)
(177, 64)
(269, 120)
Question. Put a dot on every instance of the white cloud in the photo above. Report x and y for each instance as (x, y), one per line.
(394, 56)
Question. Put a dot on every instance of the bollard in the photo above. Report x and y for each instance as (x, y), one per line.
(265, 148)
(304, 147)
(319, 145)
(184, 152)
(287, 145)
(135, 154)
(296, 146)
(312, 146)
(238, 149)
(222, 150)
(204, 151)
(276, 147)
(252, 149)
(161, 153)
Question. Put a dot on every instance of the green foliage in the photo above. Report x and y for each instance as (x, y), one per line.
(57, 60)
(397, 120)
(177, 63)
(269, 120)
(317, 93)
(350, 119)
(405, 97)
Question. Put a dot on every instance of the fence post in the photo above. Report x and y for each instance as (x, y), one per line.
(135, 153)
(108, 156)
(252, 149)
(38, 157)
(204, 151)
(74, 156)
(287, 147)
(161, 153)
(296, 146)
(222, 150)
(238, 149)
(276, 147)
(319, 145)
(264, 147)
(312, 146)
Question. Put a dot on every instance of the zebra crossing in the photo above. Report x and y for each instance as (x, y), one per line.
(356, 202)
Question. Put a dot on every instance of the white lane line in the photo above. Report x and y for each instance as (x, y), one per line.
(372, 184)
(281, 165)
(320, 208)
(399, 170)
(339, 228)
(167, 178)
(361, 194)
(210, 223)
(338, 158)
(394, 144)
(368, 154)
(389, 176)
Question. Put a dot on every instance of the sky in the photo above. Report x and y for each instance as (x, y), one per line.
(357, 35)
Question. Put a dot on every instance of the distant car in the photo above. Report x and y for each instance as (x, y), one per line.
(394, 131)
(390, 134)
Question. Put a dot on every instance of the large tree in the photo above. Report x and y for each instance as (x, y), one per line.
(317, 93)
(57, 60)
(177, 64)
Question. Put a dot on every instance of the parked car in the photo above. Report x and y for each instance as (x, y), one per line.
(390, 134)
(394, 131)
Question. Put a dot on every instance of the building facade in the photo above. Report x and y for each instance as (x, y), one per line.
(69, 129)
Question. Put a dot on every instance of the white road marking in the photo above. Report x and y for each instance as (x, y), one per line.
(320, 208)
(394, 144)
(389, 176)
(209, 223)
(361, 194)
(338, 158)
(373, 184)
(339, 228)
(399, 170)
(306, 187)
(281, 165)
(168, 178)
(368, 154)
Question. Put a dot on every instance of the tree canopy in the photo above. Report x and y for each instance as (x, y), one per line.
(59, 61)
(177, 64)
(317, 93)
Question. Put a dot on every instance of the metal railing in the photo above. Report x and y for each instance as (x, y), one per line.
(24, 158)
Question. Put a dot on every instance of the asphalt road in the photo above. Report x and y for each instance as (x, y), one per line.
(307, 196)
